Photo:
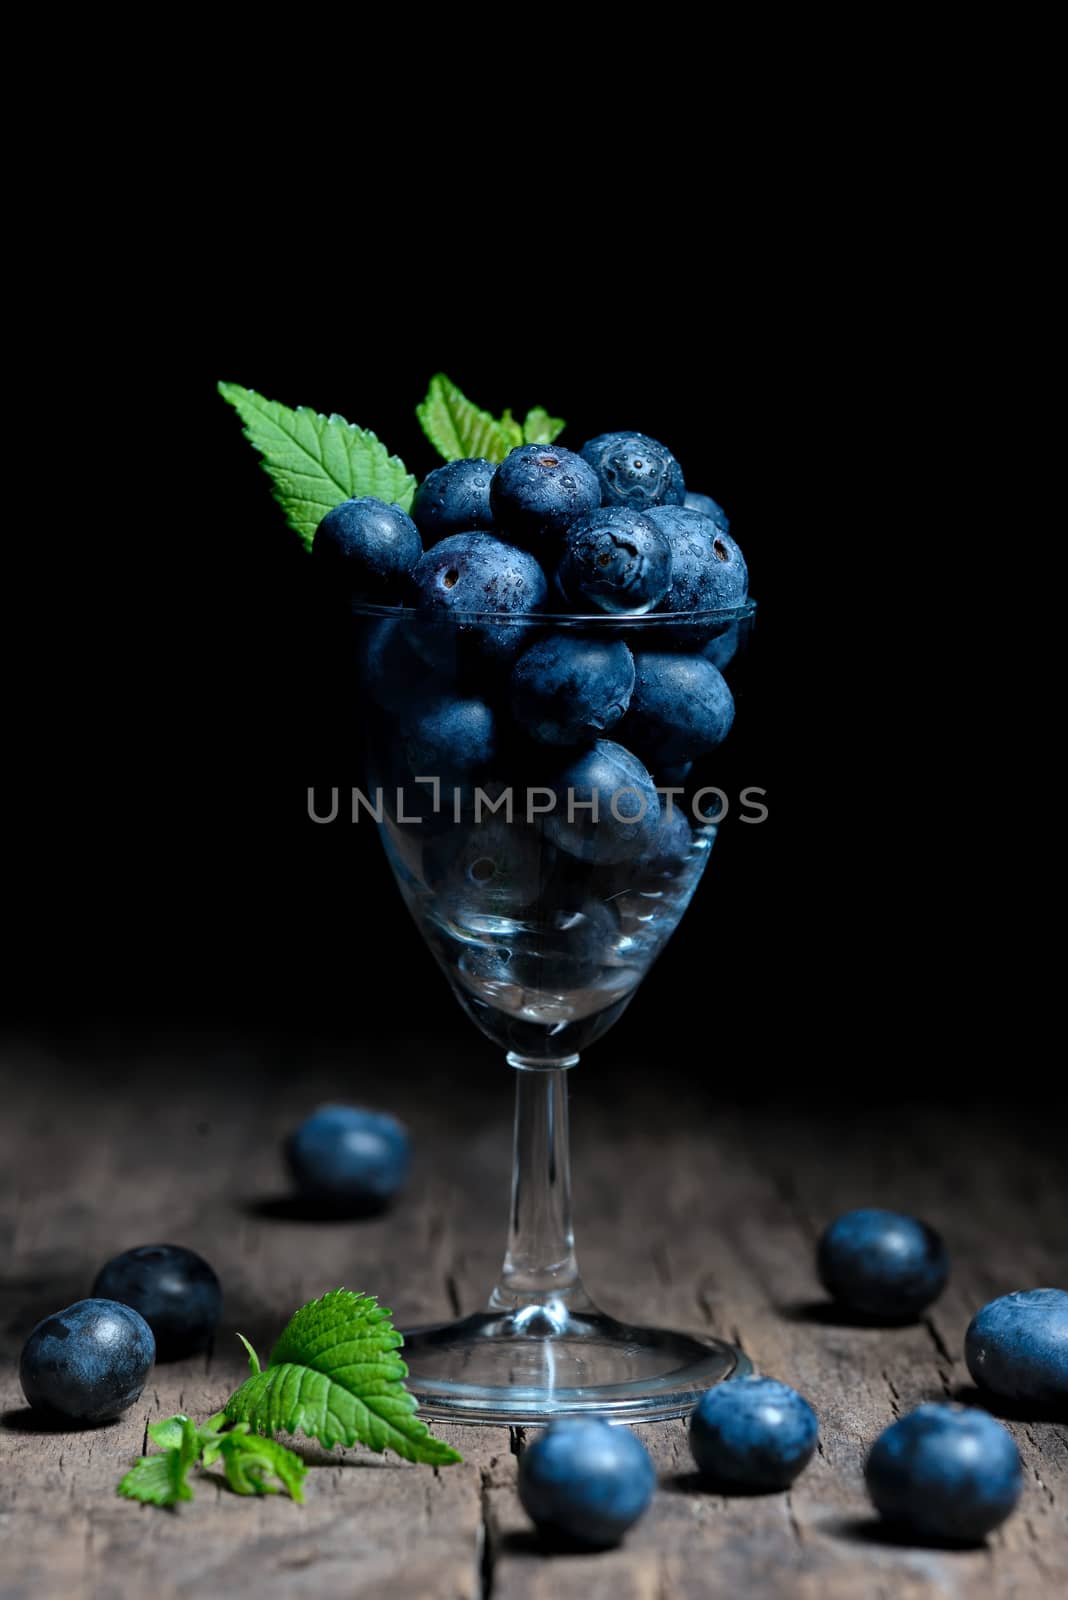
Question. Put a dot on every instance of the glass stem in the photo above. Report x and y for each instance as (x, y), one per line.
(540, 1276)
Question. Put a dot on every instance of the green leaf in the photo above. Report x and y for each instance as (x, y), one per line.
(160, 1480)
(315, 462)
(253, 1358)
(540, 428)
(334, 1375)
(250, 1461)
(458, 429)
(169, 1433)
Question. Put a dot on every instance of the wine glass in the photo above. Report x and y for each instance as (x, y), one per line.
(546, 879)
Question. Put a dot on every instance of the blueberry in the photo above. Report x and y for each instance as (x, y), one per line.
(722, 649)
(708, 507)
(614, 560)
(634, 470)
(347, 1157)
(753, 1433)
(490, 868)
(585, 1482)
(569, 690)
(945, 1472)
(88, 1362)
(568, 951)
(627, 814)
(708, 571)
(454, 498)
(175, 1291)
(882, 1264)
(1017, 1347)
(681, 708)
(366, 548)
(474, 572)
(395, 676)
(538, 490)
(450, 736)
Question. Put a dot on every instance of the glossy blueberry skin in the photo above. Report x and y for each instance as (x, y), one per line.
(175, 1291)
(681, 709)
(708, 507)
(88, 1362)
(614, 560)
(585, 1482)
(882, 1264)
(570, 690)
(608, 769)
(366, 548)
(708, 571)
(753, 1433)
(454, 498)
(945, 1472)
(634, 470)
(538, 490)
(1017, 1347)
(451, 735)
(471, 572)
(348, 1156)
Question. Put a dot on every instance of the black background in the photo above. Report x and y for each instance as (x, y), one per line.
(163, 870)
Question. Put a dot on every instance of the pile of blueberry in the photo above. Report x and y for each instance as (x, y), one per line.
(608, 532)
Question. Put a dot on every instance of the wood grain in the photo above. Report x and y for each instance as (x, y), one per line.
(690, 1212)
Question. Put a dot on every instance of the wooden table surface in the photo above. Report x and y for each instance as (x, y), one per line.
(690, 1210)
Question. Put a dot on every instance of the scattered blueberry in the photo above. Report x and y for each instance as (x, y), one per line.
(173, 1288)
(634, 470)
(585, 1482)
(627, 817)
(708, 571)
(945, 1472)
(473, 572)
(882, 1264)
(88, 1362)
(569, 690)
(681, 708)
(615, 560)
(451, 735)
(367, 548)
(539, 489)
(347, 1156)
(1017, 1347)
(454, 498)
(753, 1433)
(708, 507)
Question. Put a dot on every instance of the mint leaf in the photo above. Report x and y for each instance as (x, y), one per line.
(540, 428)
(457, 428)
(315, 462)
(160, 1480)
(334, 1375)
(249, 1461)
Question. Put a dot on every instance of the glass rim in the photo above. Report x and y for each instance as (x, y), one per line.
(571, 619)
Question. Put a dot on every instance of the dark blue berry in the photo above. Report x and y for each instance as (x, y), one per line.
(538, 490)
(451, 735)
(490, 868)
(882, 1264)
(173, 1288)
(722, 649)
(634, 470)
(366, 548)
(394, 675)
(708, 571)
(564, 952)
(1017, 1347)
(945, 1472)
(681, 708)
(469, 573)
(614, 560)
(348, 1157)
(570, 690)
(627, 814)
(753, 1433)
(585, 1482)
(454, 498)
(708, 507)
(88, 1362)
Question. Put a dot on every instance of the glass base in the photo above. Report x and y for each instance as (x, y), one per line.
(543, 1362)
